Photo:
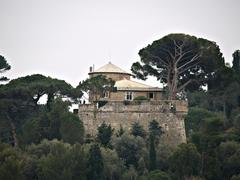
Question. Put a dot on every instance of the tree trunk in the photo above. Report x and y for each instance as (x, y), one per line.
(95, 107)
(225, 113)
(174, 83)
(13, 130)
(202, 164)
(49, 100)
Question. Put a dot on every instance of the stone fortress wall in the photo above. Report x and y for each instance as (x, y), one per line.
(169, 114)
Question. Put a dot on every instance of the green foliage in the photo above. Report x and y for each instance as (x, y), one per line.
(96, 86)
(15, 108)
(64, 124)
(55, 117)
(154, 129)
(207, 140)
(71, 129)
(31, 131)
(126, 103)
(185, 161)
(4, 66)
(212, 123)
(196, 118)
(113, 165)
(198, 99)
(10, 163)
(236, 61)
(129, 148)
(210, 135)
(223, 92)
(156, 175)
(211, 129)
(58, 160)
(140, 98)
(120, 132)
(163, 153)
(179, 60)
(235, 177)
(38, 85)
(237, 122)
(152, 154)
(102, 103)
(88, 138)
(41, 149)
(137, 130)
(229, 157)
(142, 167)
(95, 163)
(130, 174)
(56, 123)
(104, 134)
(21, 112)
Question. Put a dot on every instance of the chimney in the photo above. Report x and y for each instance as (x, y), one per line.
(90, 69)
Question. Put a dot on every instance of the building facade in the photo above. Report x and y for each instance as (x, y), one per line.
(126, 89)
(122, 108)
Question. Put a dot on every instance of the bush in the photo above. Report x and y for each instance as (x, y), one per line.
(102, 103)
(156, 175)
(140, 98)
(185, 161)
(10, 163)
(126, 103)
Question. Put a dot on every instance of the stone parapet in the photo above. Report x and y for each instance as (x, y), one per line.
(169, 114)
(139, 106)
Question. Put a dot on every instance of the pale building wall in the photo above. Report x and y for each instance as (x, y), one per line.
(113, 76)
(120, 95)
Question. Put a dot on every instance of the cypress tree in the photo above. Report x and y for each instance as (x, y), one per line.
(236, 61)
(104, 134)
(137, 130)
(95, 163)
(152, 154)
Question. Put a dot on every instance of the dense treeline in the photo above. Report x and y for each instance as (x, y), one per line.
(212, 124)
(46, 141)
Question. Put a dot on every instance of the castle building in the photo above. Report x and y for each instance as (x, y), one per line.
(126, 89)
(123, 109)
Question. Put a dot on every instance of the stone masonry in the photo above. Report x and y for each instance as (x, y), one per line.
(169, 114)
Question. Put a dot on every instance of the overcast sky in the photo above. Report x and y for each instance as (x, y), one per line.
(62, 38)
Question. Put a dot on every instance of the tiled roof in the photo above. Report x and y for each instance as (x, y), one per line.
(126, 84)
(110, 68)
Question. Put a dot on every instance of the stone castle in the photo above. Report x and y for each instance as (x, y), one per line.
(122, 109)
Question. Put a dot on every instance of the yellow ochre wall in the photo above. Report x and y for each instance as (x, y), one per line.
(120, 95)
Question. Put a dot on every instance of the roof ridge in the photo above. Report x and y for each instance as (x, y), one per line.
(110, 67)
(135, 82)
(141, 83)
(127, 83)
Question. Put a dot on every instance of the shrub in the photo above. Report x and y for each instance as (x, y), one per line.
(140, 98)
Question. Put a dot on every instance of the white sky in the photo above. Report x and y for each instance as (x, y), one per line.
(62, 38)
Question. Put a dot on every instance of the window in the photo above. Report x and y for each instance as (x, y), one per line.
(106, 94)
(151, 95)
(129, 96)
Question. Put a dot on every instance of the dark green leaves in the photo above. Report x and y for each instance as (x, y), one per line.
(179, 60)
(4, 66)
